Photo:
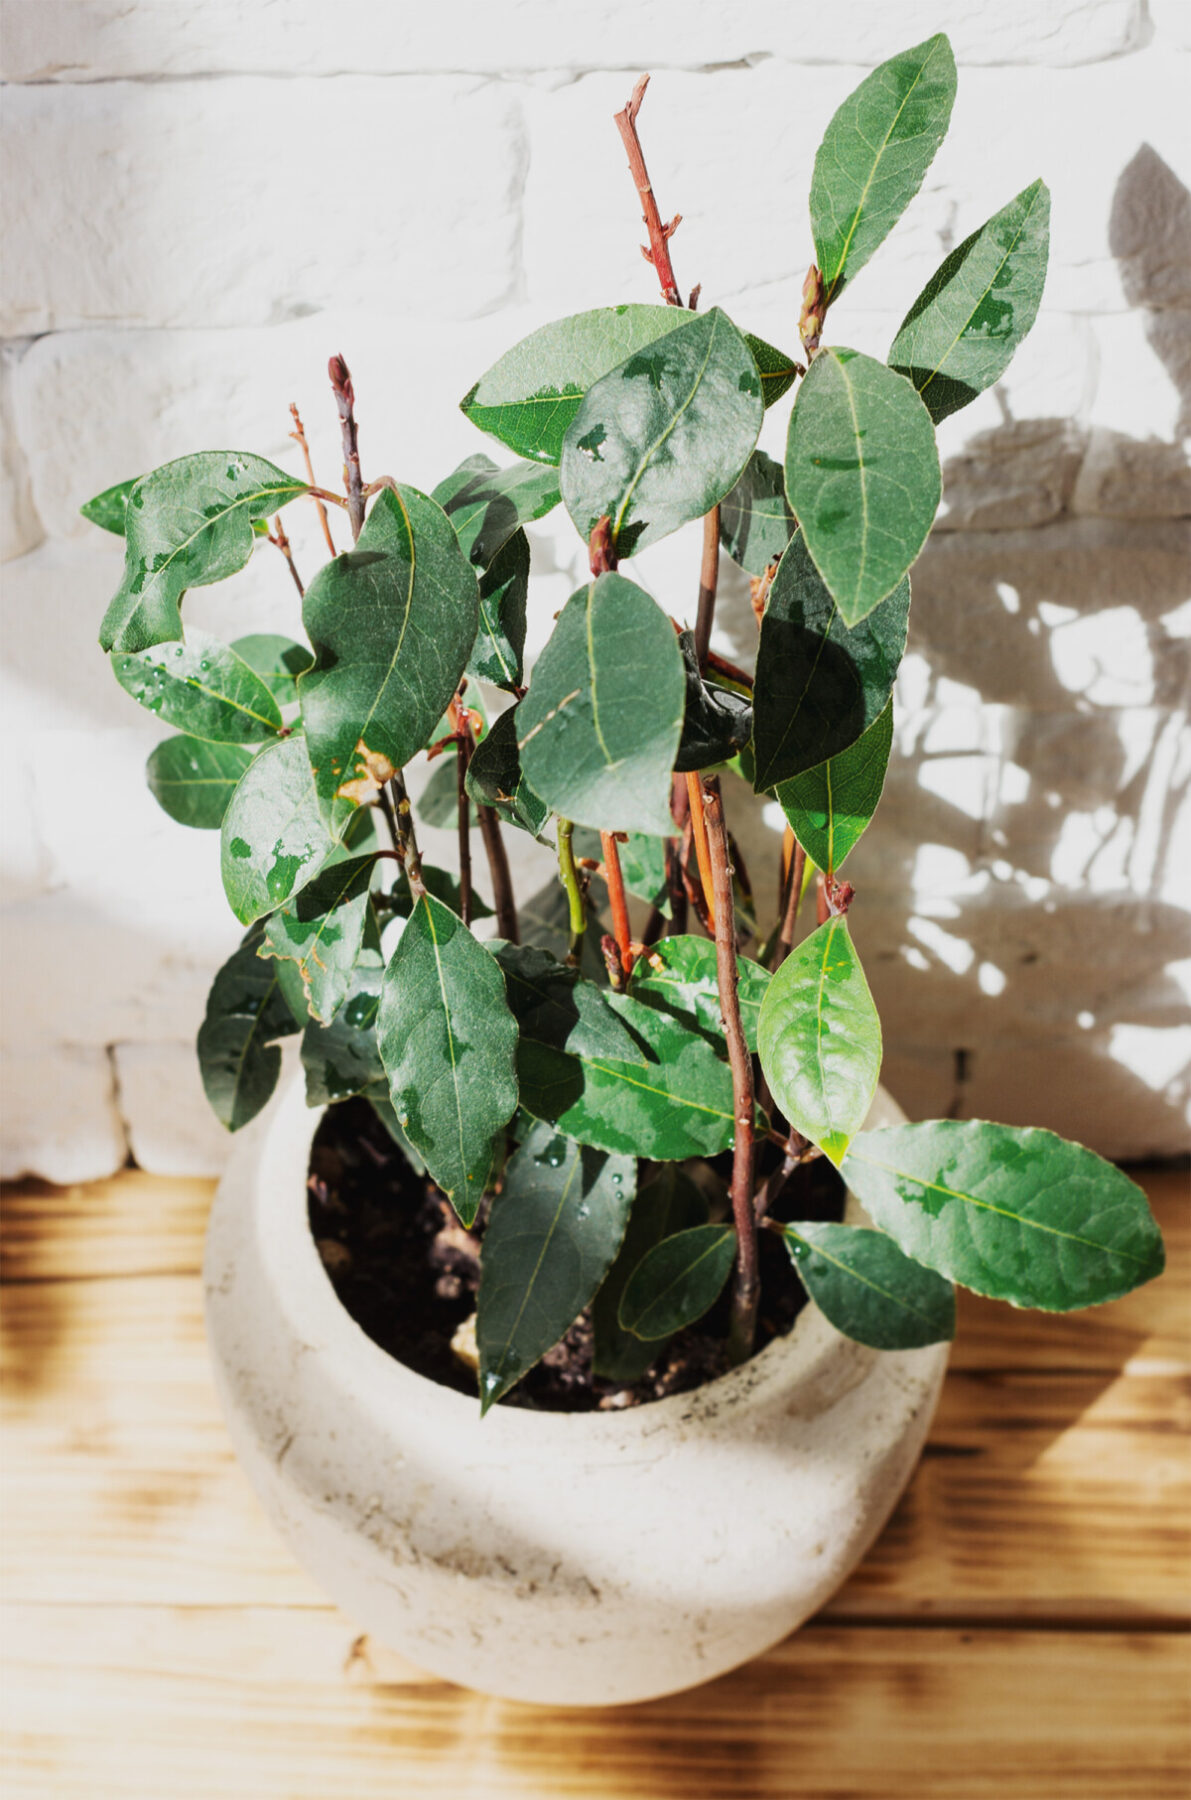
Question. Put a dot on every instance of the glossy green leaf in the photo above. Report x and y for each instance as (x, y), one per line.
(552, 1235)
(1015, 1213)
(874, 155)
(277, 660)
(716, 723)
(675, 1103)
(447, 1040)
(193, 781)
(444, 886)
(678, 976)
(273, 837)
(343, 1058)
(668, 1203)
(820, 684)
(487, 505)
(756, 523)
(321, 930)
(554, 1006)
(869, 1290)
(819, 1039)
(109, 510)
(246, 1013)
(829, 806)
(862, 474)
(187, 524)
(202, 687)
(495, 778)
(499, 650)
(392, 623)
(776, 369)
(677, 1281)
(961, 332)
(600, 726)
(662, 438)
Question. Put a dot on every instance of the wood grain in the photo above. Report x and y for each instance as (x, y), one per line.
(161, 1641)
(248, 1705)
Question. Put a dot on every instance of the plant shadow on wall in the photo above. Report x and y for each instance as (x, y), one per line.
(1022, 877)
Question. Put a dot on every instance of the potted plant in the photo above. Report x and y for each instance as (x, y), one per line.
(574, 1178)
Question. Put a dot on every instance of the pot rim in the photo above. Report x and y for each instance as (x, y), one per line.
(275, 1163)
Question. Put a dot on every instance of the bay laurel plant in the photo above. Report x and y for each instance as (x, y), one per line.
(549, 1075)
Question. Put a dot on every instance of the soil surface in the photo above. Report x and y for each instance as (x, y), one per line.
(407, 1272)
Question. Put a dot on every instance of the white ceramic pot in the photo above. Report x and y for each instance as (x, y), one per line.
(572, 1559)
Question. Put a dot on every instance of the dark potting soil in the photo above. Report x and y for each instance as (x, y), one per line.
(407, 1272)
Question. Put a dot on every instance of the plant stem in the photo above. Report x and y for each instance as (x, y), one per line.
(498, 868)
(793, 900)
(659, 235)
(345, 400)
(407, 841)
(299, 435)
(462, 758)
(618, 899)
(709, 575)
(386, 807)
(746, 1289)
(702, 851)
(283, 544)
(569, 876)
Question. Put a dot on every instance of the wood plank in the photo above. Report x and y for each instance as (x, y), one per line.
(1056, 1496)
(138, 1224)
(117, 1704)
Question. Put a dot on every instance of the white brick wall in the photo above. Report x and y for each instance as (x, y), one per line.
(204, 199)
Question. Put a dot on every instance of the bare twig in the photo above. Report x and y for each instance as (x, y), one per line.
(659, 235)
(458, 717)
(345, 400)
(299, 436)
(702, 852)
(791, 903)
(618, 899)
(278, 537)
(407, 841)
(746, 1289)
(709, 575)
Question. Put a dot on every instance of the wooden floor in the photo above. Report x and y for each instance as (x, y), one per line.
(1018, 1631)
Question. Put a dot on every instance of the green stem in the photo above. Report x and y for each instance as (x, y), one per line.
(569, 876)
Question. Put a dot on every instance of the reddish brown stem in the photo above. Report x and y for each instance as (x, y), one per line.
(793, 898)
(345, 400)
(659, 235)
(407, 840)
(702, 851)
(488, 821)
(462, 758)
(278, 536)
(709, 576)
(618, 899)
(299, 436)
(746, 1290)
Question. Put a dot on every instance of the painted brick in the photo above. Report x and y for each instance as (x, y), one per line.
(171, 1128)
(60, 1119)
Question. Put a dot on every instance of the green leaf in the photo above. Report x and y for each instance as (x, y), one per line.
(440, 883)
(677, 1281)
(715, 722)
(776, 369)
(343, 1058)
(668, 1203)
(819, 1039)
(869, 1290)
(678, 976)
(756, 523)
(392, 623)
(193, 781)
(321, 930)
(673, 1101)
(528, 398)
(874, 155)
(961, 332)
(829, 806)
(662, 438)
(494, 778)
(499, 650)
(600, 726)
(447, 1040)
(486, 505)
(246, 1013)
(553, 1005)
(862, 474)
(274, 840)
(382, 1106)
(545, 920)
(188, 523)
(552, 1235)
(109, 509)
(202, 687)
(820, 685)
(277, 660)
(1015, 1213)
